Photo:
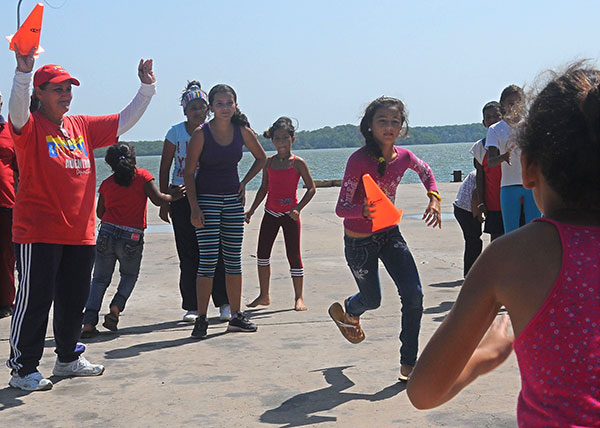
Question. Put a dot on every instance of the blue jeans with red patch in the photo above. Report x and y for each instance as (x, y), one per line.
(114, 244)
(363, 255)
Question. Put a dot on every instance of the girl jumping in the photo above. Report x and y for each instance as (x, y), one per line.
(545, 274)
(282, 209)
(122, 208)
(385, 120)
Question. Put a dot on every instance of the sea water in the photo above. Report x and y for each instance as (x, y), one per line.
(329, 164)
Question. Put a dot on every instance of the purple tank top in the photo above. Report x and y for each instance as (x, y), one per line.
(217, 166)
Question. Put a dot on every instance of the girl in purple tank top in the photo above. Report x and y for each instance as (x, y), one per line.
(545, 274)
(216, 197)
(282, 209)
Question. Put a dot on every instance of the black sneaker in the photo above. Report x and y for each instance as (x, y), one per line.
(200, 327)
(239, 322)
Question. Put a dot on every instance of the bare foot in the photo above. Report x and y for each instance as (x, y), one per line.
(300, 306)
(260, 300)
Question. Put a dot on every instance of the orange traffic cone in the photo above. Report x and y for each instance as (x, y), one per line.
(28, 34)
(385, 214)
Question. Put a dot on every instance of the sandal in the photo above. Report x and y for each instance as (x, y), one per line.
(88, 334)
(110, 321)
(349, 326)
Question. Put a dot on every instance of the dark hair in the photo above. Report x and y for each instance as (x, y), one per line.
(238, 118)
(35, 103)
(511, 90)
(281, 123)
(562, 135)
(491, 105)
(367, 121)
(121, 158)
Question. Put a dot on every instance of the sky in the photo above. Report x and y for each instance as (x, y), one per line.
(318, 61)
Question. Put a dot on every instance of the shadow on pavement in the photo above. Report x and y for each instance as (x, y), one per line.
(449, 284)
(299, 410)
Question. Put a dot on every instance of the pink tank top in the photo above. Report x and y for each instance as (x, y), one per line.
(282, 188)
(559, 350)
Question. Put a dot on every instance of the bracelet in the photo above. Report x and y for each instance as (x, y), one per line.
(480, 205)
(435, 194)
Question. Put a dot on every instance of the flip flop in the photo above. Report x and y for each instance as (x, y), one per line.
(403, 378)
(110, 321)
(352, 332)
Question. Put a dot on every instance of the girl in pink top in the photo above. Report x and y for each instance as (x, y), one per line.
(545, 274)
(384, 121)
(282, 209)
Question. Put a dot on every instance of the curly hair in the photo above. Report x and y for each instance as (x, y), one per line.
(562, 135)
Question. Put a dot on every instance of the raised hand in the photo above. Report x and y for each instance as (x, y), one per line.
(25, 63)
(145, 72)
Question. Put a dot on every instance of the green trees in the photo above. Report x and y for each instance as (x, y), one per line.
(346, 136)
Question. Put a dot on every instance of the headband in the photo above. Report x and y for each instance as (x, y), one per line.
(194, 92)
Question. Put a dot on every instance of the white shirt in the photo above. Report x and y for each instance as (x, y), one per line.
(464, 197)
(179, 136)
(504, 136)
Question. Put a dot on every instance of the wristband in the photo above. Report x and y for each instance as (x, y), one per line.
(435, 194)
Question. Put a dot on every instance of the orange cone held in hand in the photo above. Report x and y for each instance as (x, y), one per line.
(28, 34)
(385, 214)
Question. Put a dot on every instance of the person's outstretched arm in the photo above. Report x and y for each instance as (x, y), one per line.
(456, 354)
(130, 115)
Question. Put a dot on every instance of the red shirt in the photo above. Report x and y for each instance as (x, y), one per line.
(57, 178)
(126, 205)
(8, 166)
(282, 188)
(492, 185)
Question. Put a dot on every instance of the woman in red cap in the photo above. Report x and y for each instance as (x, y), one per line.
(53, 218)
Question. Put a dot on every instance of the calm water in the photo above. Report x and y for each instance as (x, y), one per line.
(328, 164)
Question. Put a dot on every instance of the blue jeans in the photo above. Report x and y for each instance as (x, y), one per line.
(114, 244)
(362, 255)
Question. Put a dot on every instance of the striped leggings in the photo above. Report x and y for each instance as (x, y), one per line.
(291, 234)
(224, 227)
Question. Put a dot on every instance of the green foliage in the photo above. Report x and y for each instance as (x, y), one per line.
(142, 148)
(345, 136)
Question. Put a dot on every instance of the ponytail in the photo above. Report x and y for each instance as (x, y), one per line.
(238, 117)
(121, 158)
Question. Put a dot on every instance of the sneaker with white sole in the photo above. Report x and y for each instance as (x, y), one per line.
(190, 316)
(239, 322)
(79, 367)
(32, 382)
(225, 312)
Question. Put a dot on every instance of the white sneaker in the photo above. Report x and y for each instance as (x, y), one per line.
(79, 367)
(32, 382)
(225, 312)
(190, 316)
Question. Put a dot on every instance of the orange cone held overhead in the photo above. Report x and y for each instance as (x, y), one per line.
(384, 214)
(28, 34)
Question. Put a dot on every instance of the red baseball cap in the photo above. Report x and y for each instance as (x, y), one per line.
(52, 73)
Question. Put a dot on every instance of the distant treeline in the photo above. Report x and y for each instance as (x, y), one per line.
(347, 136)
